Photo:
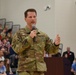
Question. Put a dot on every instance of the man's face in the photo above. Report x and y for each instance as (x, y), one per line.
(31, 18)
(68, 49)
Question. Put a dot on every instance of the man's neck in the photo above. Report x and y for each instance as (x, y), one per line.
(29, 26)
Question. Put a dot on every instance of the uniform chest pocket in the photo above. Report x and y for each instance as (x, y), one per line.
(41, 38)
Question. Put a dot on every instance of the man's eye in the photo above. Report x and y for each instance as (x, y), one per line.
(30, 17)
(34, 16)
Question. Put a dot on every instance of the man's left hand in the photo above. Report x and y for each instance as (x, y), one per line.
(57, 40)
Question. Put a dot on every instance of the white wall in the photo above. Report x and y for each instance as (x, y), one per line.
(14, 10)
(61, 19)
(0, 7)
(65, 22)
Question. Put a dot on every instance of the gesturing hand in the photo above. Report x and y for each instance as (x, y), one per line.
(57, 40)
(33, 33)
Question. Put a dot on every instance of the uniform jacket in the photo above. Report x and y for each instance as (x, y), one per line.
(31, 54)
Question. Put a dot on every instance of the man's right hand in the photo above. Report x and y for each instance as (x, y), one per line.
(33, 33)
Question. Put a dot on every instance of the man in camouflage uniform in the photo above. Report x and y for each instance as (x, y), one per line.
(30, 45)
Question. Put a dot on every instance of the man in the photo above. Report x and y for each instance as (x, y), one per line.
(69, 55)
(29, 43)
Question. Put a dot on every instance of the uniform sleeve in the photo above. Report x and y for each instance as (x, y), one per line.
(20, 44)
(50, 47)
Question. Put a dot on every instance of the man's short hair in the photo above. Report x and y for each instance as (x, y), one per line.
(29, 10)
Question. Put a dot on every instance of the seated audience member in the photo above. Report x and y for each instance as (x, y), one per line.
(7, 63)
(8, 68)
(9, 35)
(3, 33)
(6, 52)
(69, 55)
(73, 67)
(2, 55)
(0, 43)
(2, 67)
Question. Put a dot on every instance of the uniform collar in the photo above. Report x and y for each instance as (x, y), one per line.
(28, 30)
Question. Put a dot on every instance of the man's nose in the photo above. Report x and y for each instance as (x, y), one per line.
(33, 17)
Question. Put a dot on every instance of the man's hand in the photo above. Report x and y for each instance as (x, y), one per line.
(57, 40)
(33, 33)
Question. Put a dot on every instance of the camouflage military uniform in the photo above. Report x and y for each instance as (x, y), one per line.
(31, 54)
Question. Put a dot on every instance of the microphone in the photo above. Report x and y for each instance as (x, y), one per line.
(34, 28)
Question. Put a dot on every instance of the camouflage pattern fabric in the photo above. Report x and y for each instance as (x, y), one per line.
(31, 73)
(31, 54)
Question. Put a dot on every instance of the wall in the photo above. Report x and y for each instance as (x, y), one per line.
(0, 7)
(65, 22)
(14, 10)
